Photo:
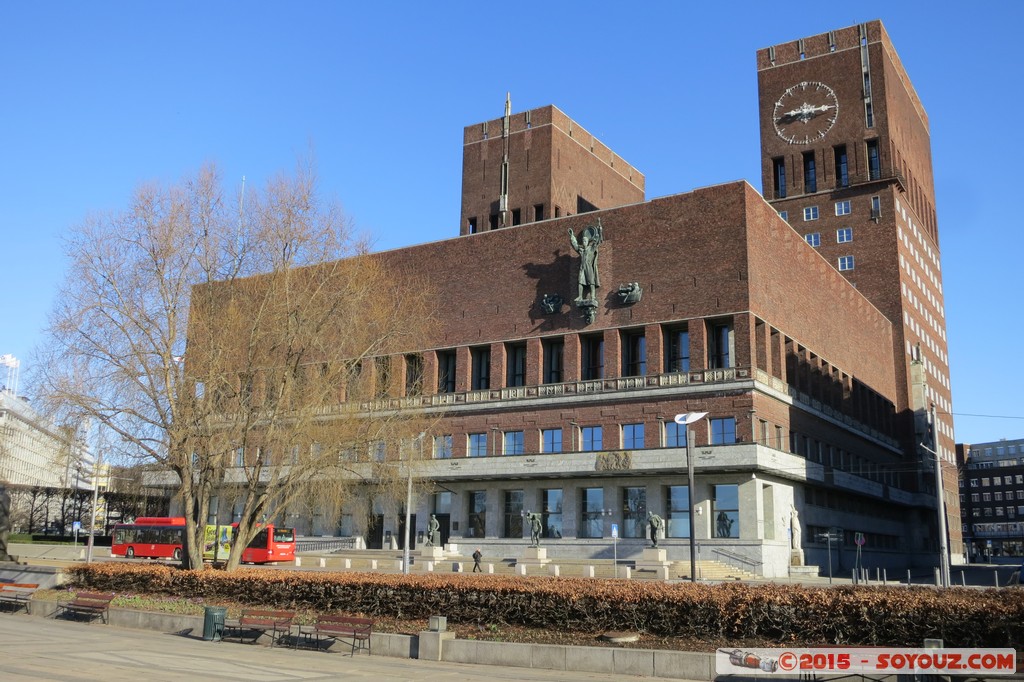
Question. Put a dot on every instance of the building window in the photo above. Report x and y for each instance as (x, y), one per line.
(634, 510)
(472, 225)
(514, 443)
(446, 371)
(477, 516)
(442, 447)
(876, 208)
(842, 166)
(481, 358)
(677, 349)
(844, 235)
(554, 351)
(974, 497)
(632, 436)
(723, 431)
(634, 354)
(551, 512)
(678, 522)
(592, 513)
(874, 161)
(986, 497)
(516, 358)
(843, 208)
(493, 221)
(810, 174)
(478, 445)
(591, 437)
(513, 521)
(719, 345)
(516, 216)
(814, 238)
(592, 357)
(986, 482)
(779, 177)
(845, 263)
(725, 511)
(413, 374)
(784, 215)
(675, 435)
(551, 440)
(538, 212)
(811, 213)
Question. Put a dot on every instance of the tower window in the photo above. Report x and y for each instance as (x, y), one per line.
(874, 161)
(844, 235)
(592, 357)
(634, 354)
(843, 208)
(472, 225)
(810, 174)
(842, 166)
(779, 177)
(814, 238)
(554, 350)
(493, 221)
(845, 263)
(538, 212)
(516, 360)
(719, 345)
(516, 216)
(811, 213)
(876, 207)
(481, 368)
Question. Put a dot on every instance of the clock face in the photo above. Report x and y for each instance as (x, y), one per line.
(805, 112)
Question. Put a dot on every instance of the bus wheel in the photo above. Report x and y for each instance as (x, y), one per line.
(177, 554)
(130, 553)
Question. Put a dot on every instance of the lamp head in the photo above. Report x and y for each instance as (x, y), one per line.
(689, 417)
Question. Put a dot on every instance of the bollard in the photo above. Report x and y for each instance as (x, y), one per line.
(963, 578)
(588, 571)
(490, 568)
(663, 572)
(298, 561)
(457, 567)
(554, 570)
(938, 582)
(853, 576)
(908, 577)
(521, 569)
(885, 578)
(995, 576)
(323, 562)
(629, 572)
(346, 563)
(400, 566)
(430, 567)
(373, 564)
(878, 575)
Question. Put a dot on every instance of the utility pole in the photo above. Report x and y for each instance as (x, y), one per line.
(940, 499)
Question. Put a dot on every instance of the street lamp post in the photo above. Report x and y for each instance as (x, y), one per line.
(408, 504)
(941, 504)
(685, 420)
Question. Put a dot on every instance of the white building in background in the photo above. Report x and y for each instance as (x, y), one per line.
(34, 452)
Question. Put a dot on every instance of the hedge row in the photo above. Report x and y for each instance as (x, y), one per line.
(784, 614)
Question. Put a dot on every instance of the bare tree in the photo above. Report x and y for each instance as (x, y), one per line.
(238, 345)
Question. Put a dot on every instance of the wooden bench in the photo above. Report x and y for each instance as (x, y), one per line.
(335, 627)
(90, 604)
(17, 595)
(257, 622)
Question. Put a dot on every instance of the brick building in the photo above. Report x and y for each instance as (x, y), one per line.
(816, 358)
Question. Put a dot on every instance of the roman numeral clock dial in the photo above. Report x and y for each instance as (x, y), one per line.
(805, 112)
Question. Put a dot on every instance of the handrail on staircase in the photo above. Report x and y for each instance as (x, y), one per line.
(733, 557)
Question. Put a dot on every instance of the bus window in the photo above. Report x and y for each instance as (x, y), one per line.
(284, 535)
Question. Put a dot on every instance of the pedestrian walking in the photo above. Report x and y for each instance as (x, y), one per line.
(477, 556)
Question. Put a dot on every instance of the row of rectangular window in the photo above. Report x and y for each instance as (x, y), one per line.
(844, 235)
(810, 169)
(592, 515)
(997, 496)
(589, 439)
(494, 220)
(634, 358)
(1007, 480)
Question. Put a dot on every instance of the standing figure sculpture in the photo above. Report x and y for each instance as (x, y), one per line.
(590, 240)
(535, 530)
(432, 527)
(794, 520)
(723, 525)
(657, 523)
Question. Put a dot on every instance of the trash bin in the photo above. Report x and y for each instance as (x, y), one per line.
(213, 623)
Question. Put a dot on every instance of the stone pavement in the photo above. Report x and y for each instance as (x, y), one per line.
(34, 648)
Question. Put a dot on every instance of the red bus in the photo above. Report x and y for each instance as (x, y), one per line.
(150, 537)
(157, 537)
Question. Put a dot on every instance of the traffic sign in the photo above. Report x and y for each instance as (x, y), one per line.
(76, 526)
(615, 530)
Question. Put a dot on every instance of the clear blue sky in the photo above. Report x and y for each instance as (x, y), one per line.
(97, 97)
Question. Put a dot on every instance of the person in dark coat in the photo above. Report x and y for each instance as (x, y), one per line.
(477, 556)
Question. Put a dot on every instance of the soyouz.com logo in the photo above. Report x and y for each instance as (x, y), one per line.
(884, 661)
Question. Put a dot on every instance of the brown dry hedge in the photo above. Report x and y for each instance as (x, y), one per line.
(786, 614)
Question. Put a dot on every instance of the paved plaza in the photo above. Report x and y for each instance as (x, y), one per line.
(45, 649)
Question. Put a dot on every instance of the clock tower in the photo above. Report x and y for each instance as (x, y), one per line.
(846, 160)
